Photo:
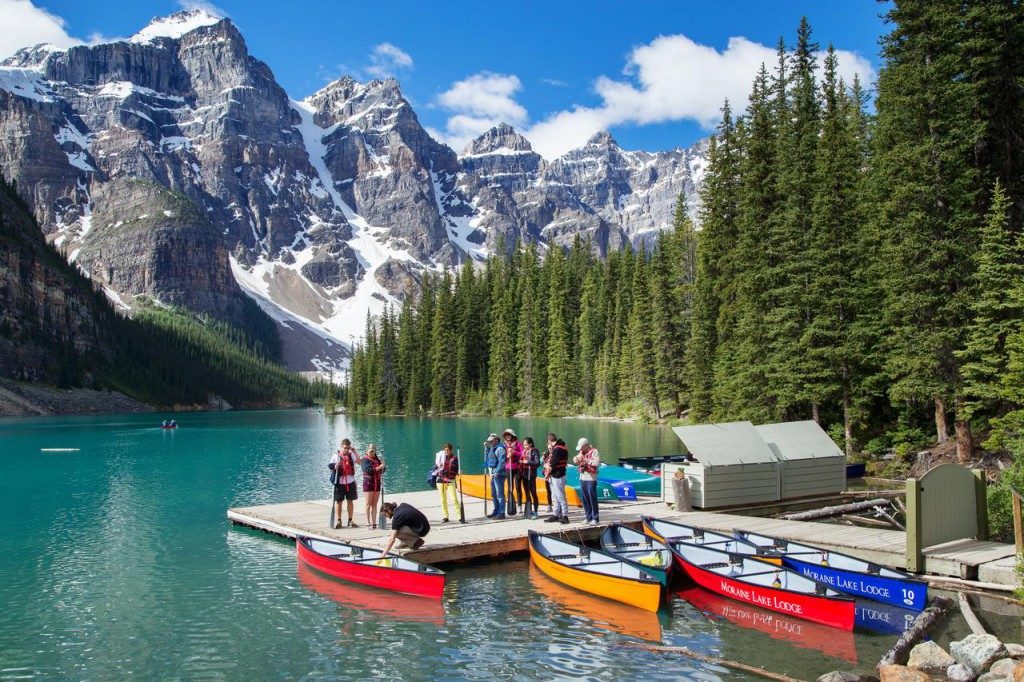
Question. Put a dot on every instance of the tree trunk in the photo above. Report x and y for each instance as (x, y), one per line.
(816, 413)
(848, 423)
(941, 427)
(964, 437)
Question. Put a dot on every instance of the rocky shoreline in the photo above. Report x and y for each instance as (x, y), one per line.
(18, 399)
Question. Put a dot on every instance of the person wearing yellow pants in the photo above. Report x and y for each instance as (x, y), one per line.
(446, 463)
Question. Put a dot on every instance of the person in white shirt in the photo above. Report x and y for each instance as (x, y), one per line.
(446, 463)
(588, 461)
(343, 466)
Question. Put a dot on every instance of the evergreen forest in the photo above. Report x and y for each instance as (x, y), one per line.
(860, 262)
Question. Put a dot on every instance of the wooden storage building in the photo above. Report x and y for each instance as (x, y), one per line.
(810, 463)
(732, 466)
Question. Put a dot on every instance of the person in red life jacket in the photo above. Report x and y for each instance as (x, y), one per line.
(588, 461)
(554, 471)
(373, 473)
(528, 478)
(447, 465)
(515, 455)
(552, 438)
(343, 466)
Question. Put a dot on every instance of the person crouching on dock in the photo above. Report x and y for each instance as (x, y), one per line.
(409, 524)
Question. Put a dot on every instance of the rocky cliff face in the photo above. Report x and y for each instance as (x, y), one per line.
(173, 165)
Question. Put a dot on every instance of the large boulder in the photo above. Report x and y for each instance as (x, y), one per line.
(958, 672)
(901, 673)
(930, 657)
(1004, 667)
(978, 651)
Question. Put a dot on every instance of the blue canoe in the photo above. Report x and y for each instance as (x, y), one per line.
(843, 572)
(607, 491)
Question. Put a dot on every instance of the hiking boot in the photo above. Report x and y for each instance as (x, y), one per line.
(418, 544)
(534, 516)
(444, 520)
(552, 519)
(564, 519)
(337, 524)
(499, 517)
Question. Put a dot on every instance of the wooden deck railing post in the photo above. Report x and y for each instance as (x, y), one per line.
(913, 525)
(981, 502)
(1018, 524)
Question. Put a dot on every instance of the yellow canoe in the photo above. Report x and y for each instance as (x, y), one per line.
(608, 615)
(475, 485)
(594, 571)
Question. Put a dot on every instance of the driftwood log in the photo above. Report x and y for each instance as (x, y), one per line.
(968, 614)
(713, 660)
(924, 622)
(835, 510)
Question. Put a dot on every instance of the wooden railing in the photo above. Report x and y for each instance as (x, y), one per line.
(1018, 526)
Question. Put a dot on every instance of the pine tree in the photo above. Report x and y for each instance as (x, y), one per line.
(502, 367)
(997, 310)
(642, 375)
(712, 289)
(444, 346)
(559, 359)
(926, 187)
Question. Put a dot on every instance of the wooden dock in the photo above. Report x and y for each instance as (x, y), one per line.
(483, 539)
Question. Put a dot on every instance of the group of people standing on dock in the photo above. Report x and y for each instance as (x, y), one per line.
(513, 467)
(343, 466)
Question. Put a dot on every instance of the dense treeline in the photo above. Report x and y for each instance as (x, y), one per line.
(860, 269)
(561, 334)
(162, 356)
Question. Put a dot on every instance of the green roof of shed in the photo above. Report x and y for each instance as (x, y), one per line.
(798, 440)
(722, 444)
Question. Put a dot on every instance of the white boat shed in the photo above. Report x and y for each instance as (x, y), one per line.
(810, 462)
(738, 463)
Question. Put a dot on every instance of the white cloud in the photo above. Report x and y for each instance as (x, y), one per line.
(203, 6)
(386, 59)
(478, 103)
(672, 78)
(22, 24)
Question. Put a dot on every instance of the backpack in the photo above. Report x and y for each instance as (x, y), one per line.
(432, 477)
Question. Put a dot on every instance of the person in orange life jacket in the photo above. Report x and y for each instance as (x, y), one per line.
(515, 455)
(494, 461)
(447, 465)
(528, 478)
(588, 461)
(373, 471)
(343, 466)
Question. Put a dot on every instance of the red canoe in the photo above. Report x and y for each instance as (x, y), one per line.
(771, 587)
(371, 567)
(384, 606)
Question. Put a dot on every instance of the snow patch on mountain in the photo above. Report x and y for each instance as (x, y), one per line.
(175, 25)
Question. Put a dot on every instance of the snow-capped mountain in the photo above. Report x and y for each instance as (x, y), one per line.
(173, 165)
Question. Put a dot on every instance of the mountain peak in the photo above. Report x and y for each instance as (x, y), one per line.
(175, 25)
(501, 136)
(603, 138)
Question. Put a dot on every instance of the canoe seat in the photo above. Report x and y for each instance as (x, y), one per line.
(717, 564)
(874, 569)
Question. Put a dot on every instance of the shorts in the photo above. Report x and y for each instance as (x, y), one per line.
(371, 485)
(345, 491)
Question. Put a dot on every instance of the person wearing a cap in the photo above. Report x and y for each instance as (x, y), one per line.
(554, 471)
(588, 460)
(494, 462)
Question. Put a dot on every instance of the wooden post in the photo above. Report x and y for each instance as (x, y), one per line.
(914, 558)
(681, 492)
(981, 501)
(1018, 524)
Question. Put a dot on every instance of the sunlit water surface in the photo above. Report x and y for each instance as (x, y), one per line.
(116, 560)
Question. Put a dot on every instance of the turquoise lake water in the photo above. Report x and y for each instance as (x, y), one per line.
(117, 561)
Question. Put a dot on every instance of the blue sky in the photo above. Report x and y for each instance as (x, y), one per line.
(653, 73)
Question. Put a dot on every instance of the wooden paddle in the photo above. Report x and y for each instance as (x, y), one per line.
(381, 519)
(462, 500)
(330, 524)
(487, 482)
